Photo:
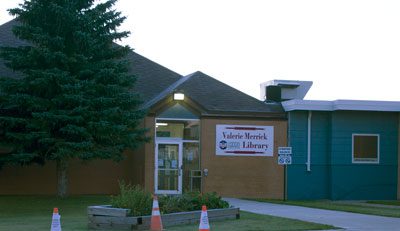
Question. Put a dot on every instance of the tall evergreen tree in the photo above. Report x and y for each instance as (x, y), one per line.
(75, 100)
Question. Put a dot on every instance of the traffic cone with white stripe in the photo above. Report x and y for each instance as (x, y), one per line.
(204, 225)
(156, 224)
(55, 222)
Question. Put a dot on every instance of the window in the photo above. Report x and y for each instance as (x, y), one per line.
(365, 148)
(182, 129)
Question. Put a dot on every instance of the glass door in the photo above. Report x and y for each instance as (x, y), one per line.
(191, 167)
(168, 171)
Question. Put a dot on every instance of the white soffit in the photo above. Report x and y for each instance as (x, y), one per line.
(338, 105)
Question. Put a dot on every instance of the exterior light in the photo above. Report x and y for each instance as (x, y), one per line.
(161, 124)
(179, 96)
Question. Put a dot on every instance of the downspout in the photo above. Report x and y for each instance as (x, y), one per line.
(309, 142)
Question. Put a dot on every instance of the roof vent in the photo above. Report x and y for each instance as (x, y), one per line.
(288, 89)
(273, 93)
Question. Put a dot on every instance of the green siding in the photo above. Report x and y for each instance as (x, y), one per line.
(333, 175)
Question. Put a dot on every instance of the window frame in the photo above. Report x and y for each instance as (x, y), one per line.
(359, 160)
(176, 138)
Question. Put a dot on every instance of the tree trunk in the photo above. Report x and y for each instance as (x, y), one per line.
(62, 178)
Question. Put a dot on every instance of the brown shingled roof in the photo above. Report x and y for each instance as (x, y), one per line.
(155, 82)
(217, 97)
(152, 78)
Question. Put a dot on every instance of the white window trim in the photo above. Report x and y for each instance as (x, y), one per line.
(358, 161)
(180, 162)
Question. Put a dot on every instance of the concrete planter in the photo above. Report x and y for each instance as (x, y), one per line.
(105, 217)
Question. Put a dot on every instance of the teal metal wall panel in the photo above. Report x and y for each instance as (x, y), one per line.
(333, 175)
(303, 184)
(298, 136)
(360, 180)
(307, 185)
(363, 182)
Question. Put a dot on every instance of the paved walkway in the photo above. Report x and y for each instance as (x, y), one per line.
(344, 220)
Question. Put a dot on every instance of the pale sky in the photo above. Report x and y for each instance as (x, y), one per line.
(350, 49)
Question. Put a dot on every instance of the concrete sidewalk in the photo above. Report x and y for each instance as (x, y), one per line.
(344, 220)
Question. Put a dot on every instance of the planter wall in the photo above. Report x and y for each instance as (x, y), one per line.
(105, 217)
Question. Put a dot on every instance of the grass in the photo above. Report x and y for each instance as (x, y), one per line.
(342, 206)
(257, 222)
(20, 213)
(35, 212)
(397, 203)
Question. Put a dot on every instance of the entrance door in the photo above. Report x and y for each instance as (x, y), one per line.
(168, 172)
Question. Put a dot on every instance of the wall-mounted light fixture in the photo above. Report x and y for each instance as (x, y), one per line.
(179, 96)
(161, 124)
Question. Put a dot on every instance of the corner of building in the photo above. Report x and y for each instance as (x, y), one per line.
(398, 159)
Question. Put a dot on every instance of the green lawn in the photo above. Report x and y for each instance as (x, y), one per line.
(397, 203)
(342, 206)
(256, 222)
(35, 212)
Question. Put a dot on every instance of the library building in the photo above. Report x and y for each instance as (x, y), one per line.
(207, 136)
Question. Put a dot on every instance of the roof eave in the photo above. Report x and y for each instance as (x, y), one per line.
(245, 114)
(341, 105)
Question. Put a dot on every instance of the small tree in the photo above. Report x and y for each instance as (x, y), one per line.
(75, 100)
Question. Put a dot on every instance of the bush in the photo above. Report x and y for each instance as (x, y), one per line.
(140, 202)
(174, 204)
(191, 201)
(213, 201)
(210, 199)
(134, 198)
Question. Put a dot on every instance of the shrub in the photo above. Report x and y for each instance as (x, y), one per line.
(174, 204)
(134, 198)
(210, 199)
(213, 201)
(140, 202)
(191, 201)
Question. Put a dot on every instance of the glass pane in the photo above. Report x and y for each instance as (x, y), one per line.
(168, 180)
(366, 147)
(168, 166)
(187, 130)
(191, 167)
(196, 184)
(191, 131)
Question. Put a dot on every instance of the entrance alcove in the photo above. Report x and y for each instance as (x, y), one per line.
(177, 151)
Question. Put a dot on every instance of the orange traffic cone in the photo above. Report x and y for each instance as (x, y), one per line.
(156, 224)
(55, 222)
(204, 225)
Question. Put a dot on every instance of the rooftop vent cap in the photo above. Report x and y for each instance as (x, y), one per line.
(289, 89)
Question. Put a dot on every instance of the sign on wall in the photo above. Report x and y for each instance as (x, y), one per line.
(244, 140)
(284, 155)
